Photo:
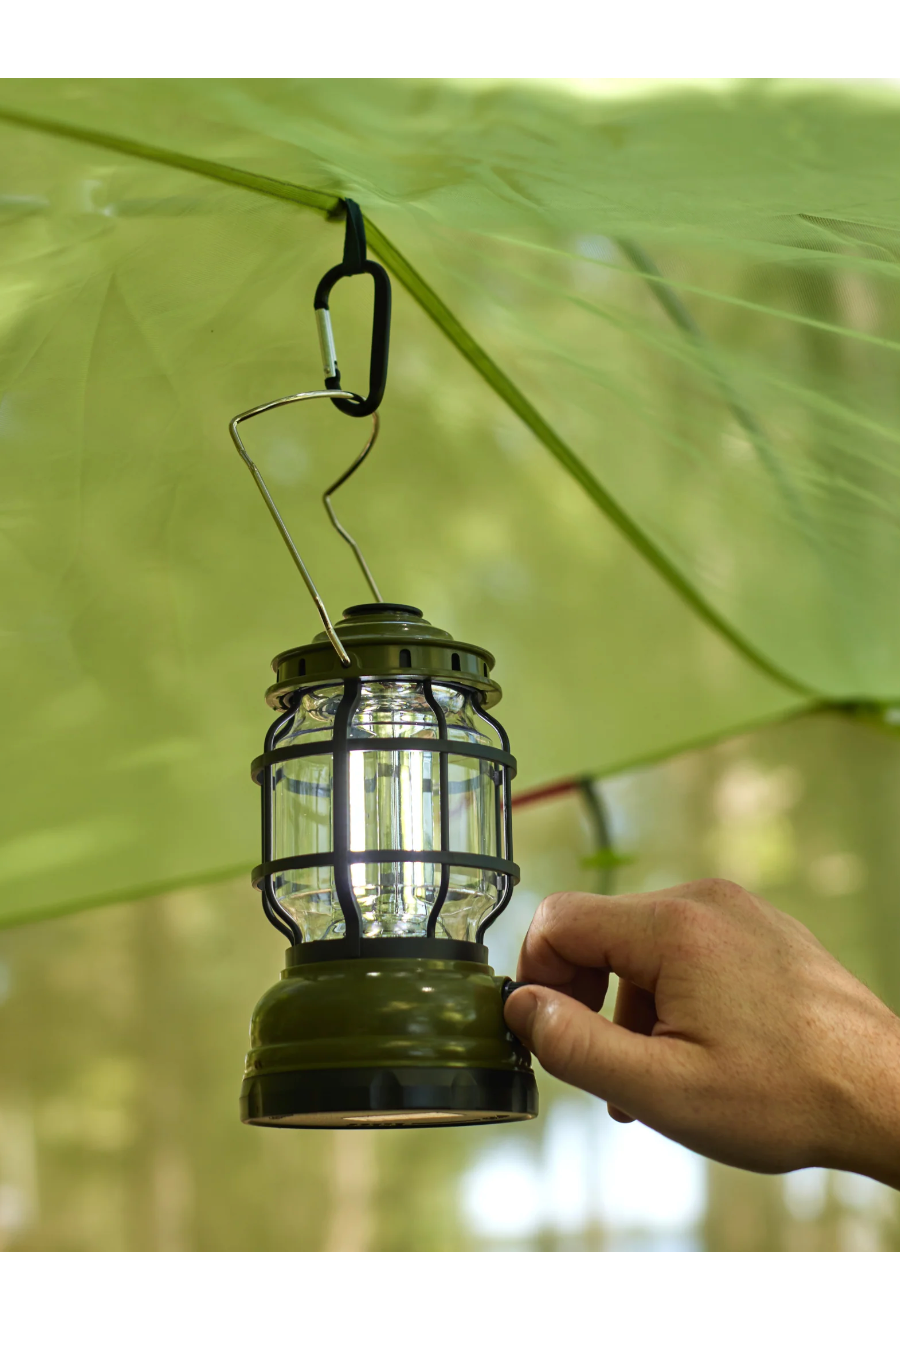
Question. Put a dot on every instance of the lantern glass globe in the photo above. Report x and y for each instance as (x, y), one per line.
(394, 803)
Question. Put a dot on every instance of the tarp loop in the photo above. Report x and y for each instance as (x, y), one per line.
(354, 264)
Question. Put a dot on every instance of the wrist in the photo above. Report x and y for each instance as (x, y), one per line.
(862, 1089)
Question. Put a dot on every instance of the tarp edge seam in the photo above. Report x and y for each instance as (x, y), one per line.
(19, 918)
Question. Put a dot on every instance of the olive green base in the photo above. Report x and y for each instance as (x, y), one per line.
(385, 1041)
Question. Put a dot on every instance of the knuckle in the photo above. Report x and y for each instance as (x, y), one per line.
(552, 910)
(689, 916)
(719, 891)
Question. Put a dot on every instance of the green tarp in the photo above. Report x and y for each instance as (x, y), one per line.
(640, 437)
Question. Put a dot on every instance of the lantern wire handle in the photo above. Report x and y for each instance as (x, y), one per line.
(326, 498)
(276, 515)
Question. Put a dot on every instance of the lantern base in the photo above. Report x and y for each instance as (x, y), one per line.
(347, 1099)
(379, 1041)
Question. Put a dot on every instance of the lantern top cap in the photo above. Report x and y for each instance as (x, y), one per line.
(384, 607)
(384, 641)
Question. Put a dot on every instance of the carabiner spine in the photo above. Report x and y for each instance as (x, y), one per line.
(326, 345)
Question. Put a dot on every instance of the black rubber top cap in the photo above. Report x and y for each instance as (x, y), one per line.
(383, 608)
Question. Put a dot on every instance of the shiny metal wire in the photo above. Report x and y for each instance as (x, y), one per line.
(326, 498)
(345, 535)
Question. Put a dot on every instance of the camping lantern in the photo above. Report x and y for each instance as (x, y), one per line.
(387, 853)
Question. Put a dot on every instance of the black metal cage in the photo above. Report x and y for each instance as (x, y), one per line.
(341, 858)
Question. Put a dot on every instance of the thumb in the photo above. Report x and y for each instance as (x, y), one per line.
(584, 1049)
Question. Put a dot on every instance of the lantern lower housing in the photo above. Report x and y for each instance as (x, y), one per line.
(387, 853)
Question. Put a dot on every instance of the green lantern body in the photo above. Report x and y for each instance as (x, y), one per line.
(387, 853)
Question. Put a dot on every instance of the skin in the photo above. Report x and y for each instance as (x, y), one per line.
(735, 1032)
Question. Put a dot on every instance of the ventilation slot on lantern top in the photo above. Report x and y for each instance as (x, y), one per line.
(405, 659)
(454, 661)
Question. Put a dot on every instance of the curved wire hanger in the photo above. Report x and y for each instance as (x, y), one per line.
(326, 498)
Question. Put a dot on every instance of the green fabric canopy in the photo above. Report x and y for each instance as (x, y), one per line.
(640, 437)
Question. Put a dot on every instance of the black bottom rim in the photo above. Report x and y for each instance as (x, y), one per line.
(379, 1099)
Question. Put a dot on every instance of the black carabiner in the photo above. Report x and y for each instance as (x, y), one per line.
(354, 264)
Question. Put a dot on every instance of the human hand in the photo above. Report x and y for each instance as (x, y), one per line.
(736, 1033)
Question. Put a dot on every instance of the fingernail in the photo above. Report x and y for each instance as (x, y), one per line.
(520, 1011)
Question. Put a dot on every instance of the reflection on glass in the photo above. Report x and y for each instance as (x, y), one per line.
(395, 803)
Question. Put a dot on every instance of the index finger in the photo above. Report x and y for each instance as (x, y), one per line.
(574, 930)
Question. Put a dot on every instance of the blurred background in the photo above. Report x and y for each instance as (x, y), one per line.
(122, 1033)
(670, 509)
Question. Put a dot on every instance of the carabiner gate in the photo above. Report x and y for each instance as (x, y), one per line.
(354, 264)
